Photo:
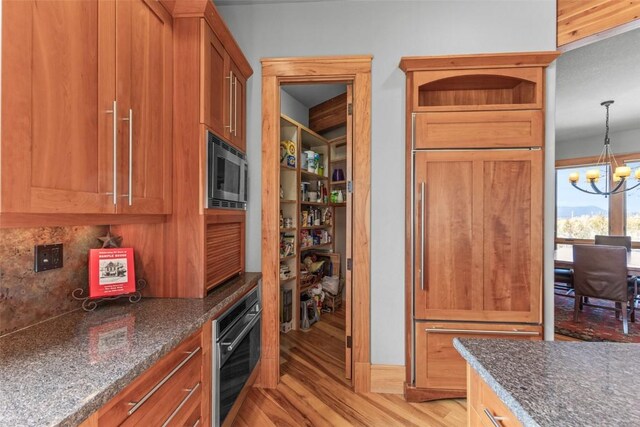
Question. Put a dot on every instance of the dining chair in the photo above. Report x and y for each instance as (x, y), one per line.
(600, 271)
(614, 241)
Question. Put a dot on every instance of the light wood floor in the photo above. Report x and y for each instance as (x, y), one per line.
(313, 391)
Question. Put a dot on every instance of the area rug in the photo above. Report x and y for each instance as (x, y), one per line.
(594, 324)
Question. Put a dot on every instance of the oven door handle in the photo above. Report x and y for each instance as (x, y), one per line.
(245, 331)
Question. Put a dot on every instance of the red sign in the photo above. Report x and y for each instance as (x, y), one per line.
(111, 272)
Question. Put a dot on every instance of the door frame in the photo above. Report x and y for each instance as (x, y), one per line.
(275, 72)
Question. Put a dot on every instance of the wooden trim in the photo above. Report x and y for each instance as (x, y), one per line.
(207, 366)
(356, 69)
(17, 220)
(387, 379)
(594, 38)
(577, 20)
(329, 114)
(488, 60)
(414, 394)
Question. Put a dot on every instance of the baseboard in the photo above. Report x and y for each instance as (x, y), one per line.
(387, 379)
(361, 377)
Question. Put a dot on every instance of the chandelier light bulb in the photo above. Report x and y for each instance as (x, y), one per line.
(638, 174)
(575, 177)
(593, 174)
(616, 177)
(623, 171)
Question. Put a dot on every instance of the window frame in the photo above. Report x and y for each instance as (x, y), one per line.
(617, 202)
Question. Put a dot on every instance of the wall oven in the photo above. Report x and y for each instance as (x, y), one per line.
(236, 351)
(226, 175)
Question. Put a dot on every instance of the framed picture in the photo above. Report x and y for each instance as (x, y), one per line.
(111, 272)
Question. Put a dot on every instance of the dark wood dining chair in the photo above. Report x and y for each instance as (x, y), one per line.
(600, 271)
(614, 241)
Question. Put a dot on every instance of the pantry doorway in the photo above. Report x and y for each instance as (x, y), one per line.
(355, 73)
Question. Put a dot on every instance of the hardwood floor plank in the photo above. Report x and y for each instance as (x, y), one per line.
(313, 391)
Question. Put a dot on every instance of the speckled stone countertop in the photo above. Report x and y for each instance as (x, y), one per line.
(61, 371)
(560, 383)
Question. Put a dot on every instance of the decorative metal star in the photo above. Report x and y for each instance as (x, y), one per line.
(110, 241)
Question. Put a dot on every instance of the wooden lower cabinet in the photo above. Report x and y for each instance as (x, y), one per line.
(173, 392)
(484, 407)
(439, 366)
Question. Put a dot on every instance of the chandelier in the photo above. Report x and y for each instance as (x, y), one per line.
(606, 160)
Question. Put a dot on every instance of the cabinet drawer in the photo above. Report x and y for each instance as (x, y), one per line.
(153, 396)
(438, 363)
(485, 407)
(499, 129)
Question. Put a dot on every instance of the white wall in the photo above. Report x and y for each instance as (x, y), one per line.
(291, 107)
(388, 30)
(621, 142)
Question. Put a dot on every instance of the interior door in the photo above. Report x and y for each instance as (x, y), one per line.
(144, 76)
(478, 245)
(58, 90)
(348, 358)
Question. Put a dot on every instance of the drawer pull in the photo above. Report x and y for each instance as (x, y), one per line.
(494, 420)
(138, 404)
(480, 332)
(184, 401)
(197, 423)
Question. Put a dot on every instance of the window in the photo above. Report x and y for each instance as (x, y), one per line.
(579, 215)
(632, 206)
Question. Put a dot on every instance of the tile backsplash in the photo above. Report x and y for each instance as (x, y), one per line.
(27, 297)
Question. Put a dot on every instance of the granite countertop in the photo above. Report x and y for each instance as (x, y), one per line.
(560, 383)
(59, 372)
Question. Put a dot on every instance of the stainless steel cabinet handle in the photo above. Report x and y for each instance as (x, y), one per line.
(114, 111)
(130, 156)
(235, 106)
(138, 404)
(422, 235)
(197, 423)
(230, 126)
(479, 332)
(494, 420)
(184, 401)
(130, 120)
(244, 332)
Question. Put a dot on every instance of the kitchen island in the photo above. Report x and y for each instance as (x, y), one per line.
(551, 383)
(58, 372)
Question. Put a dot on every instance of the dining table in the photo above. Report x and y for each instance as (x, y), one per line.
(563, 257)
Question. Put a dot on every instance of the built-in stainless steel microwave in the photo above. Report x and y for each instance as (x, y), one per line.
(226, 175)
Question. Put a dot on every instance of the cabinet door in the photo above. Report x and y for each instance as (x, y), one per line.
(478, 225)
(57, 95)
(438, 363)
(238, 111)
(215, 83)
(144, 81)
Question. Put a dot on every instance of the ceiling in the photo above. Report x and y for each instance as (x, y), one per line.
(314, 94)
(236, 2)
(609, 69)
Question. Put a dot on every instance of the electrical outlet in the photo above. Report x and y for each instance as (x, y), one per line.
(47, 257)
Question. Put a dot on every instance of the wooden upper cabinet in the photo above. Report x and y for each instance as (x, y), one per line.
(478, 89)
(479, 129)
(215, 82)
(57, 96)
(238, 111)
(223, 90)
(478, 244)
(67, 110)
(145, 95)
